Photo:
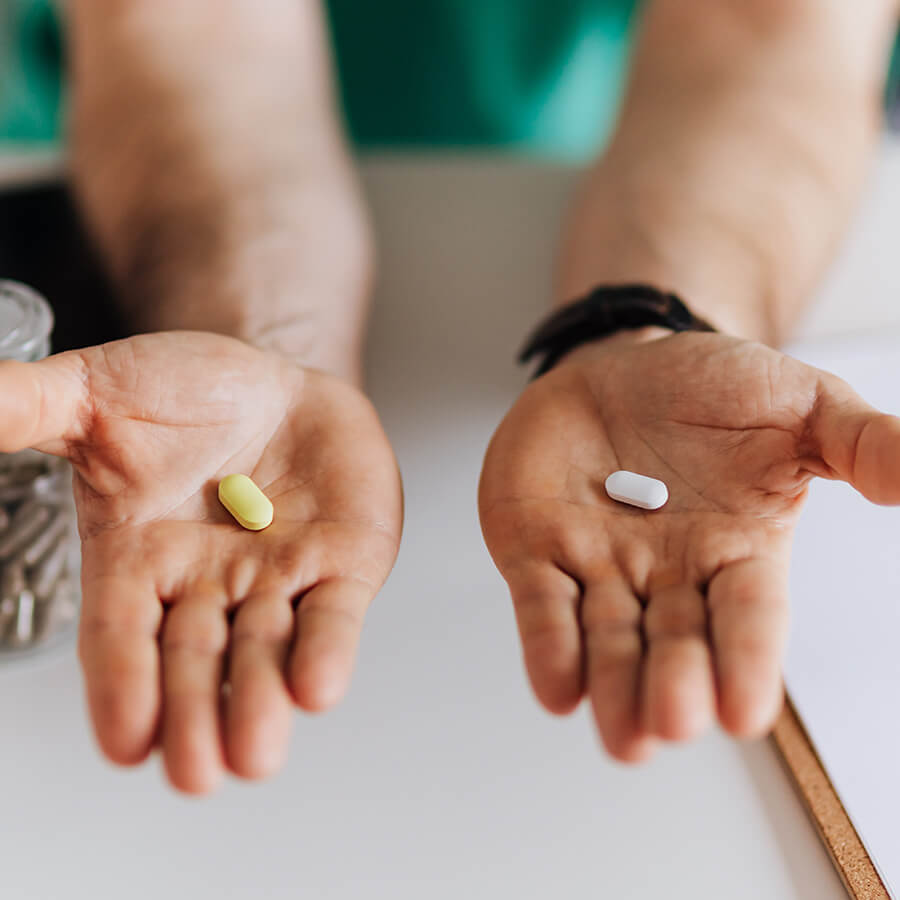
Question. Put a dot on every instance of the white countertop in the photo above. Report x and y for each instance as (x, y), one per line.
(22, 165)
(439, 777)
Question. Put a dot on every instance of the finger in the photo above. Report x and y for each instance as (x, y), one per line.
(119, 656)
(546, 601)
(678, 700)
(328, 623)
(260, 709)
(611, 616)
(42, 404)
(859, 444)
(748, 611)
(193, 642)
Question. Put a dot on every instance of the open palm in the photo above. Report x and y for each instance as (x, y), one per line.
(196, 633)
(667, 618)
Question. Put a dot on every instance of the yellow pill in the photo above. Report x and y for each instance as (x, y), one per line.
(246, 502)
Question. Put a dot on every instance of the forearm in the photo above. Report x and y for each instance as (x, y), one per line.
(213, 175)
(743, 140)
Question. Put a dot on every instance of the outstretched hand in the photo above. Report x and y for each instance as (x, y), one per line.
(666, 619)
(195, 633)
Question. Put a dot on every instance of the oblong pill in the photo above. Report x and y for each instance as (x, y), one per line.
(636, 490)
(246, 502)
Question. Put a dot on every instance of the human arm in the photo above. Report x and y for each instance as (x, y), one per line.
(741, 147)
(212, 171)
(213, 176)
(744, 138)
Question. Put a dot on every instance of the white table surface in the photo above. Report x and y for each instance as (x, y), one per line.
(439, 776)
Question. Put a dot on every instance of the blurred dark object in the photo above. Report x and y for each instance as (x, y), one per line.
(44, 245)
(892, 89)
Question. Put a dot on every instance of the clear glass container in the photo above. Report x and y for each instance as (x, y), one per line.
(40, 554)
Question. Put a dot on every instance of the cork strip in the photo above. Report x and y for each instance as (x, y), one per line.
(828, 814)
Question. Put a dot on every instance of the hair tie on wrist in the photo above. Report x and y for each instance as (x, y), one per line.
(606, 310)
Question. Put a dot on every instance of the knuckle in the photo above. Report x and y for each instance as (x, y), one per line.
(674, 623)
(189, 629)
(610, 648)
(313, 613)
(545, 628)
(610, 613)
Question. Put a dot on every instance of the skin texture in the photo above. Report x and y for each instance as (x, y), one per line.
(232, 209)
(729, 181)
(728, 178)
(726, 181)
(668, 619)
(179, 600)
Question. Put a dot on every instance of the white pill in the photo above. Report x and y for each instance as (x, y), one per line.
(636, 490)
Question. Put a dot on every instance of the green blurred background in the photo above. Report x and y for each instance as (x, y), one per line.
(537, 76)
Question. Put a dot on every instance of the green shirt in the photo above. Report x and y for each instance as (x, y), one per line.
(538, 76)
(535, 76)
(29, 73)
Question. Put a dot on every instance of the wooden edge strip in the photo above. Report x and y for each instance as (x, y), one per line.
(825, 808)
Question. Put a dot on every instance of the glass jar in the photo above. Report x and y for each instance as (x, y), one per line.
(40, 555)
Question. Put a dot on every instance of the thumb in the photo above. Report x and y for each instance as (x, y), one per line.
(42, 404)
(858, 443)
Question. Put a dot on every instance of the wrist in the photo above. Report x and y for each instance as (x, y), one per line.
(317, 325)
(303, 295)
(716, 270)
(620, 340)
(311, 347)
